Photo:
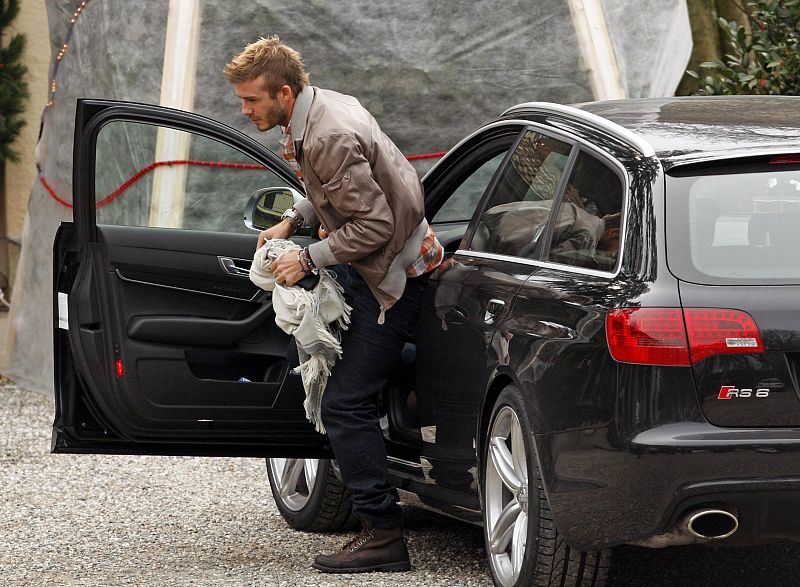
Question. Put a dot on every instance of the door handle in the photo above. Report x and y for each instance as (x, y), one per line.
(493, 308)
(458, 312)
(231, 267)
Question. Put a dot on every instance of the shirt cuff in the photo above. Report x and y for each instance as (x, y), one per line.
(320, 252)
(306, 210)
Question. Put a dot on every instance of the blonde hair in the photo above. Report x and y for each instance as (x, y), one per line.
(279, 64)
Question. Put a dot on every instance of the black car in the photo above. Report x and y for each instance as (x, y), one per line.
(608, 355)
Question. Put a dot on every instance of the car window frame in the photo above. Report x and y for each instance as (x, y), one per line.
(269, 166)
(578, 145)
(439, 177)
(93, 115)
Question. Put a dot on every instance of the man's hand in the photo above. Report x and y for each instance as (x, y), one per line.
(287, 269)
(281, 230)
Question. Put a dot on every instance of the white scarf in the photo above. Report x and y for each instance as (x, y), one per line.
(315, 318)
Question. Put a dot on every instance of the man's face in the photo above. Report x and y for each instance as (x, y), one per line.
(265, 111)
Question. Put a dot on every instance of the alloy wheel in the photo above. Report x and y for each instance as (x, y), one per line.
(506, 497)
(295, 480)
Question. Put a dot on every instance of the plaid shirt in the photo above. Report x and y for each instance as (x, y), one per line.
(289, 153)
(429, 258)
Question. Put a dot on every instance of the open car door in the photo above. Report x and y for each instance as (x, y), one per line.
(162, 343)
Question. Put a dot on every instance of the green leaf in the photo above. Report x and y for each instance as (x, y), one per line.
(13, 88)
(9, 13)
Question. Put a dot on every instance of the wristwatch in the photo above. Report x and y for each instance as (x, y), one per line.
(295, 217)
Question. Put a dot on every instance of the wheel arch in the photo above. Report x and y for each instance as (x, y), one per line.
(493, 390)
(501, 380)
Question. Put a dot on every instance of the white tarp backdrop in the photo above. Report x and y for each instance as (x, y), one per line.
(429, 71)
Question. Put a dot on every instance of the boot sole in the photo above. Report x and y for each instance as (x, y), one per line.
(386, 567)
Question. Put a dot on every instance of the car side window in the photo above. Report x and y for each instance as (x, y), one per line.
(147, 175)
(516, 214)
(586, 232)
(461, 204)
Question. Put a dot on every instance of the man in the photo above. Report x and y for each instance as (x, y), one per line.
(368, 201)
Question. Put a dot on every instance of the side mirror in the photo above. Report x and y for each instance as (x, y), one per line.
(266, 206)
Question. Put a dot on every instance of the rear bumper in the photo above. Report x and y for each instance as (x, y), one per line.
(605, 493)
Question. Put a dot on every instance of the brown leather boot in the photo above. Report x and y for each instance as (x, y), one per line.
(374, 549)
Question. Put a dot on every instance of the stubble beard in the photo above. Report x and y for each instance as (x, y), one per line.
(277, 117)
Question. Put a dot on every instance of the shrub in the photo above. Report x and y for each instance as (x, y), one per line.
(13, 89)
(766, 62)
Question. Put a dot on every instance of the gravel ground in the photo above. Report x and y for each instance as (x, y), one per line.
(90, 520)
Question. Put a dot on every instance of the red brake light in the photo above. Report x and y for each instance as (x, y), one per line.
(669, 336)
(118, 367)
(714, 331)
(649, 336)
(784, 160)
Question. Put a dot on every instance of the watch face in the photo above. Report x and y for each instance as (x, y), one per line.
(294, 216)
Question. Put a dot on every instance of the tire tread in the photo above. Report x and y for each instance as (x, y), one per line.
(328, 511)
(336, 511)
(558, 565)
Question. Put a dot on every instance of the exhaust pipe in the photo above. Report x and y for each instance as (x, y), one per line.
(704, 524)
(712, 523)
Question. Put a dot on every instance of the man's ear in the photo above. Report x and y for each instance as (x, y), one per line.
(286, 92)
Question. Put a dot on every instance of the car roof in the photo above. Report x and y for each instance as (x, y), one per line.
(693, 129)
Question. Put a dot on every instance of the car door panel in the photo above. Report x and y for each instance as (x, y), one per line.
(461, 346)
(163, 345)
(175, 376)
(469, 339)
(179, 259)
(469, 294)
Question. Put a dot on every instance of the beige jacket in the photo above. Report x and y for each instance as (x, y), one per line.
(362, 190)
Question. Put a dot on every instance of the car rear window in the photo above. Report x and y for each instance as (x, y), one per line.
(737, 224)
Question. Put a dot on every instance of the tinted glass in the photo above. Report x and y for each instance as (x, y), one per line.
(460, 206)
(147, 175)
(587, 231)
(517, 211)
(735, 225)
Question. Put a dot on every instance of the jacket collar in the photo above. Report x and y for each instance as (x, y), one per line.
(302, 105)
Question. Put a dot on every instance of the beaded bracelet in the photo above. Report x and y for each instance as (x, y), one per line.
(301, 260)
(307, 257)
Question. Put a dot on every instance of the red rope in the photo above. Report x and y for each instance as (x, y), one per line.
(426, 156)
(142, 172)
(53, 193)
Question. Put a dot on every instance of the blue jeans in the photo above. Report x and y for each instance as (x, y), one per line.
(370, 351)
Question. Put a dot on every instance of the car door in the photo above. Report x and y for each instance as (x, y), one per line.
(464, 338)
(162, 343)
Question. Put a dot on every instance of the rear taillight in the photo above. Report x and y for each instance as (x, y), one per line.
(721, 332)
(650, 336)
(658, 336)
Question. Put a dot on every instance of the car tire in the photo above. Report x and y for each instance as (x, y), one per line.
(309, 495)
(522, 543)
